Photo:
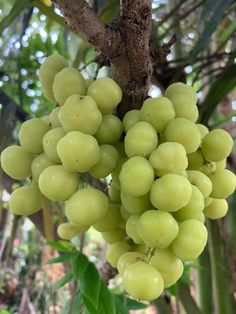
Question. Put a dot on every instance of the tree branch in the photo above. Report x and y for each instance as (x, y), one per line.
(81, 18)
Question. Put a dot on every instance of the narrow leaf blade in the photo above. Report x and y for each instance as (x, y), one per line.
(61, 282)
(79, 264)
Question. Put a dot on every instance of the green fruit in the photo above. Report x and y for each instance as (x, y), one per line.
(115, 251)
(106, 93)
(80, 113)
(140, 140)
(181, 88)
(124, 213)
(130, 119)
(113, 236)
(223, 183)
(50, 140)
(58, 184)
(157, 228)
(202, 129)
(142, 281)
(67, 82)
(131, 229)
(216, 209)
(201, 181)
(135, 204)
(191, 240)
(158, 112)
(46, 119)
(110, 221)
(31, 135)
(116, 172)
(195, 160)
(221, 164)
(114, 193)
(170, 192)
(16, 162)
(110, 130)
(78, 152)
(126, 259)
(38, 164)
(54, 119)
(136, 176)
(67, 230)
(86, 207)
(185, 107)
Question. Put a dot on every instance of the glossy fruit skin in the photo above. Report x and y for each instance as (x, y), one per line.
(140, 140)
(217, 145)
(50, 67)
(131, 229)
(170, 192)
(31, 135)
(113, 236)
(185, 107)
(169, 157)
(25, 200)
(67, 230)
(110, 221)
(126, 259)
(108, 160)
(157, 228)
(86, 207)
(185, 132)
(114, 193)
(136, 176)
(216, 209)
(170, 267)
(158, 112)
(115, 251)
(53, 118)
(142, 281)
(16, 162)
(38, 164)
(116, 172)
(195, 160)
(135, 204)
(180, 88)
(78, 152)
(106, 92)
(223, 183)
(57, 184)
(110, 130)
(202, 129)
(125, 214)
(191, 240)
(202, 182)
(50, 140)
(130, 119)
(80, 113)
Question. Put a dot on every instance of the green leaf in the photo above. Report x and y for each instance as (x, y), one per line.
(89, 306)
(106, 300)
(210, 27)
(61, 282)
(60, 259)
(90, 284)
(62, 246)
(17, 8)
(77, 304)
(79, 264)
(130, 304)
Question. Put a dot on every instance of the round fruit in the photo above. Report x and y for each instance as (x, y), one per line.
(115, 251)
(53, 117)
(109, 130)
(131, 229)
(113, 236)
(130, 118)
(80, 113)
(68, 230)
(50, 140)
(114, 193)
(58, 184)
(40, 163)
(202, 129)
(158, 112)
(126, 259)
(216, 209)
(106, 93)
(195, 160)
(16, 162)
(157, 228)
(180, 88)
(202, 182)
(170, 192)
(223, 183)
(110, 221)
(86, 207)
(185, 107)
(124, 213)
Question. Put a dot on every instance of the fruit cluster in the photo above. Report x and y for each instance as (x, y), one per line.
(167, 175)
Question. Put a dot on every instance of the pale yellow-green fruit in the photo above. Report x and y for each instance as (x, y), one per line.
(217, 145)
(135, 204)
(54, 119)
(185, 107)
(26, 200)
(67, 82)
(115, 251)
(130, 119)
(50, 67)
(202, 129)
(46, 119)
(185, 132)
(80, 113)
(158, 112)
(216, 209)
(86, 207)
(16, 162)
(50, 141)
(194, 207)
(31, 135)
(114, 193)
(208, 201)
(125, 214)
(140, 140)
(202, 182)
(58, 184)
(122, 224)
(78, 152)
(106, 92)
(170, 267)
(221, 164)
(136, 176)
(223, 183)
(208, 168)
(121, 148)
(108, 160)
(131, 229)
(114, 235)
(191, 240)
(170, 192)
(169, 157)
(116, 172)
(67, 230)
(88, 82)
(38, 164)
(110, 221)
(157, 228)
(128, 258)
(180, 88)
(143, 281)
(195, 160)
(109, 130)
